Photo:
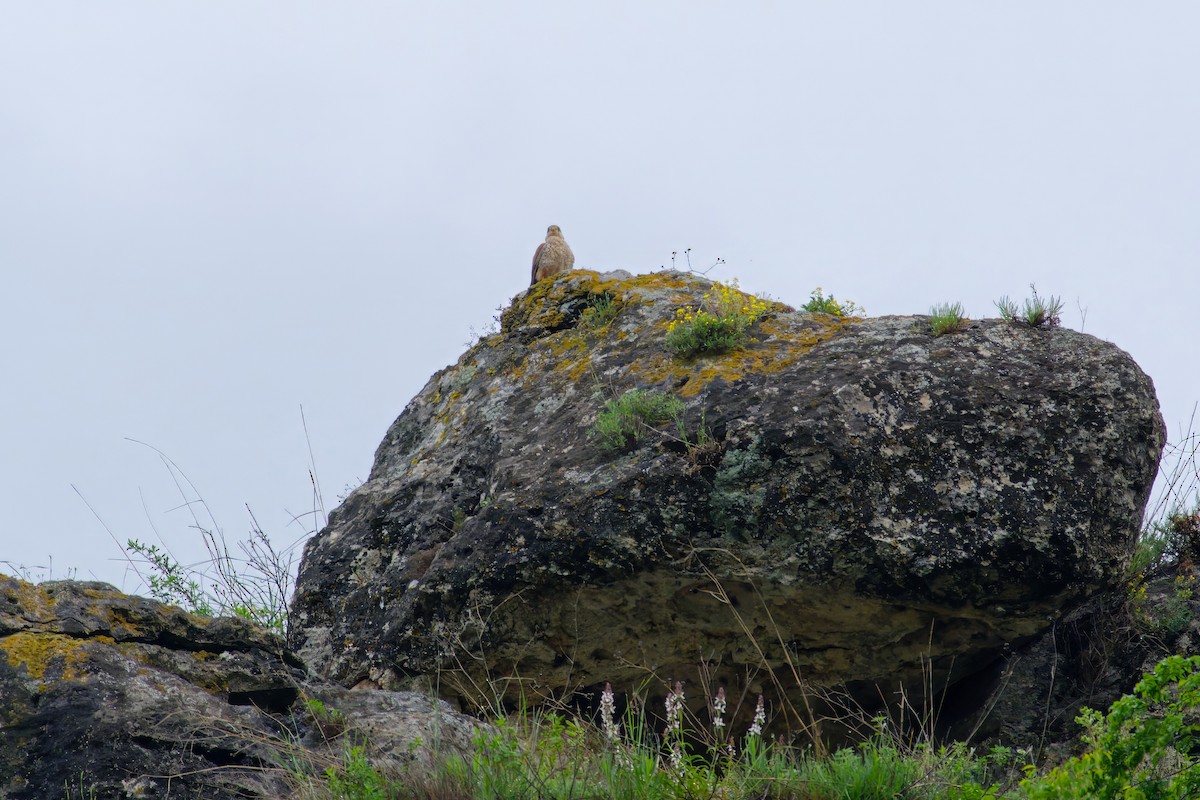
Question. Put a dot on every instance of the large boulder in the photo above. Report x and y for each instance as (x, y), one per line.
(107, 695)
(847, 502)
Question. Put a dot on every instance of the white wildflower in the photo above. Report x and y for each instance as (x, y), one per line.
(719, 709)
(608, 708)
(675, 707)
(760, 718)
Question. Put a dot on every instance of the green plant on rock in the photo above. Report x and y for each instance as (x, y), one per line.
(720, 323)
(819, 303)
(252, 582)
(1143, 748)
(625, 420)
(601, 309)
(80, 791)
(1037, 312)
(169, 582)
(703, 448)
(947, 318)
(254, 588)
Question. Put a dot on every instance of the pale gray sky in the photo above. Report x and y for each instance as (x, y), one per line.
(214, 212)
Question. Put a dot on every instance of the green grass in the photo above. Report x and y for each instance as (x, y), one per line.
(1037, 312)
(625, 421)
(1138, 749)
(601, 310)
(548, 756)
(947, 318)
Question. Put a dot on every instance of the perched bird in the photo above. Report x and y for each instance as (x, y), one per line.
(552, 256)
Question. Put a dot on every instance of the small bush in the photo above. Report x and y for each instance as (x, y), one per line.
(720, 324)
(1143, 748)
(1036, 312)
(821, 304)
(624, 421)
(946, 318)
(253, 582)
(1172, 541)
(1182, 531)
(357, 779)
(254, 587)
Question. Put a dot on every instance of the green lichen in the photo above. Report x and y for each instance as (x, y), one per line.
(738, 491)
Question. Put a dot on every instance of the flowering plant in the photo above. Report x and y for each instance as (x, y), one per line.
(719, 323)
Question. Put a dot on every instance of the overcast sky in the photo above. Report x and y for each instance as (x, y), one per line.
(214, 213)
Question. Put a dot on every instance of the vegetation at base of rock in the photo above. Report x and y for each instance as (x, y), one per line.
(1145, 747)
(625, 420)
(1168, 617)
(1037, 312)
(1168, 548)
(1142, 748)
(721, 322)
(820, 303)
(946, 318)
(1172, 543)
(556, 757)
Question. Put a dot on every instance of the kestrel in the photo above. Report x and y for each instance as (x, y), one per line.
(552, 256)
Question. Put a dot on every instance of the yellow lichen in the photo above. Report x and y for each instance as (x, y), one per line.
(42, 653)
(782, 347)
(34, 601)
(778, 339)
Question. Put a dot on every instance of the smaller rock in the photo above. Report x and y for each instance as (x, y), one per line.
(127, 697)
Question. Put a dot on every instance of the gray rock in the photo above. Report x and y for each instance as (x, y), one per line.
(877, 506)
(119, 696)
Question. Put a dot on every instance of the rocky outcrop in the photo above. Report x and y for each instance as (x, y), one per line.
(107, 695)
(846, 502)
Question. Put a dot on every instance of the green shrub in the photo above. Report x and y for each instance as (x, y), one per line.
(254, 588)
(625, 420)
(946, 318)
(170, 582)
(821, 304)
(1036, 312)
(1173, 540)
(1143, 748)
(721, 322)
(1168, 618)
(357, 779)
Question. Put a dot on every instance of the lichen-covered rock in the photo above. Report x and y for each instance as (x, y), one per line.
(119, 696)
(849, 502)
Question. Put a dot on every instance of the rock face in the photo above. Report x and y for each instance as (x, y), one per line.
(107, 695)
(858, 503)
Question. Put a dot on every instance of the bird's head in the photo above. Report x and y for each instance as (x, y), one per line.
(553, 230)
